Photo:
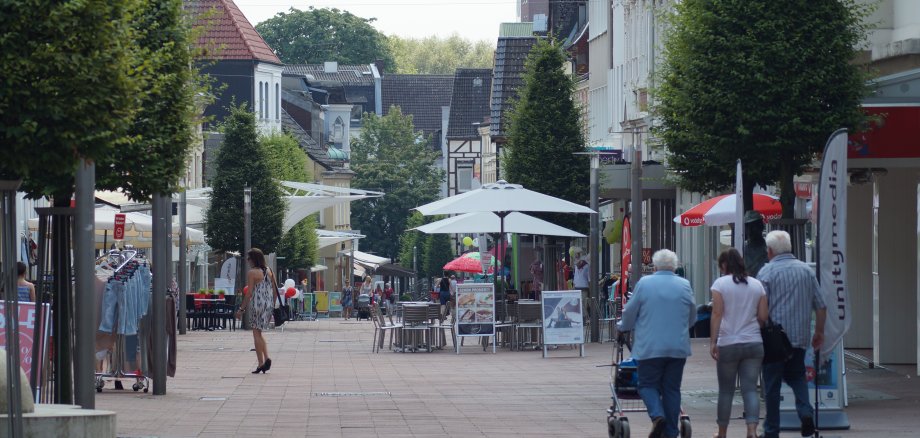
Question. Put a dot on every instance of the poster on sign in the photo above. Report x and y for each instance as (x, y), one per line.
(475, 310)
(27, 334)
(335, 302)
(119, 232)
(224, 284)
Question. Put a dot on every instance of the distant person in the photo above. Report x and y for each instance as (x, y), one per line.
(444, 293)
(739, 309)
(262, 284)
(348, 299)
(661, 312)
(581, 278)
(388, 294)
(24, 289)
(536, 270)
(793, 295)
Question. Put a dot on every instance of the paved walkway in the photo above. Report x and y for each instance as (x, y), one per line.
(325, 382)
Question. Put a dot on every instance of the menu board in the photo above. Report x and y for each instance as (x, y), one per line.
(563, 318)
(475, 309)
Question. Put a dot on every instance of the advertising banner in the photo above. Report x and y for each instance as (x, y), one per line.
(475, 309)
(563, 318)
(119, 232)
(335, 301)
(322, 302)
(27, 332)
(308, 303)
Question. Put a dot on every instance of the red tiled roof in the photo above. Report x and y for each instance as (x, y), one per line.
(229, 33)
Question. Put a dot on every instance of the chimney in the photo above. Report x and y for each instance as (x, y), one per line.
(330, 67)
(380, 66)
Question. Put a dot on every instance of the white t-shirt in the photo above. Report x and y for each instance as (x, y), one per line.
(581, 277)
(739, 318)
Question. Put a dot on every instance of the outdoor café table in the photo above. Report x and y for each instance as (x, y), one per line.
(209, 305)
(415, 325)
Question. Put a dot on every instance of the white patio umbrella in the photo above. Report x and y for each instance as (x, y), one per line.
(486, 222)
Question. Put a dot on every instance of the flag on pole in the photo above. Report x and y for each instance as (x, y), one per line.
(832, 240)
(739, 211)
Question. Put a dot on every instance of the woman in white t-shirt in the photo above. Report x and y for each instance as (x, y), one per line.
(739, 309)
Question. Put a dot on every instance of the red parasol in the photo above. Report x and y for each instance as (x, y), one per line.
(468, 262)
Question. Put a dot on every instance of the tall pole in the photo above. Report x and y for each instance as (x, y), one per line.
(183, 262)
(636, 210)
(84, 231)
(162, 255)
(247, 243)
(593, 250)
(8, 242)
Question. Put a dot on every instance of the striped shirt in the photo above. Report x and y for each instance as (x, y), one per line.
(793, 295)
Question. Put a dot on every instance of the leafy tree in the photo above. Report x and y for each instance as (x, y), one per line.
(162, 130)
(545, 132)
(436, 55)
(317, 35)
(242, 161)
(288, 162)
(390, 155)
(412, 244)
(748, 79)
(69, 89)
(438, 252)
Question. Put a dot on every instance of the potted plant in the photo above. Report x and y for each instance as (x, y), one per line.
(221, 294)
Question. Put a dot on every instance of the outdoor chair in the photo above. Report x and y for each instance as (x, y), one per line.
(194, 315)
(416, 328)
(381, 327)
(504, 328)
(530, 322)
(225, 312)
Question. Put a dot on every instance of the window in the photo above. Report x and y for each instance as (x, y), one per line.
(268, 100)
(261, 96)
(338, 131)
(277, 102)
(464, 179)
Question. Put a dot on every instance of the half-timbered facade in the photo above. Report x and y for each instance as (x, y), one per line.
(469, 108)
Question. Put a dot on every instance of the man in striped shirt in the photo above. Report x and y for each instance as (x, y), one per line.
(793, 295)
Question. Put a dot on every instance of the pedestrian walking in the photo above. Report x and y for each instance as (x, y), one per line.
(792, 295)
(661, 312)
(739, 309)
(260, 302)
(444, 289)
(348, 299)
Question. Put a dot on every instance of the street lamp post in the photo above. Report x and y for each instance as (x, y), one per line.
(183, 260)
(636, 209)
(247, 243)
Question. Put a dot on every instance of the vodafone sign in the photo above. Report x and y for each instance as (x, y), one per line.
(119, 232)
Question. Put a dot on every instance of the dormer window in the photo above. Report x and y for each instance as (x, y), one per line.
(338, 130)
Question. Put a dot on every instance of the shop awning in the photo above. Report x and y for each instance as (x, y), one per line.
(394, 270)
(318, 268)
(329, 238)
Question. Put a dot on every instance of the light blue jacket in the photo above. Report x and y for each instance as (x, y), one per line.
(660, 313)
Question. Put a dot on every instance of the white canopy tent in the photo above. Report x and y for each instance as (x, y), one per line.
(486, 222)
(303, 199)
(138, 229)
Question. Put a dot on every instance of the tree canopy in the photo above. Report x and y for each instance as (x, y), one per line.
(314, 36)
(391, 156)
(747, 79)
(545, 132)
(70, 88)
(288, 162)
(436, 55)
(242, 161)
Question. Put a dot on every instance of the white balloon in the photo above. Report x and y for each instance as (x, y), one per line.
(298, 295)
(289, 283)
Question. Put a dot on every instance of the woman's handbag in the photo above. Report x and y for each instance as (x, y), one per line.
(776, 345)
(282, 313)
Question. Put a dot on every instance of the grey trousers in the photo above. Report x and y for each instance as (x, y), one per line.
(736, 360)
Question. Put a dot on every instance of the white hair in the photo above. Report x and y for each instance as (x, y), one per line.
(665, 260)
(779, 242)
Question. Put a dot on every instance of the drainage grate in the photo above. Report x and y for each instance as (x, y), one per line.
(335, 341)
(352, 394)
(212, 398)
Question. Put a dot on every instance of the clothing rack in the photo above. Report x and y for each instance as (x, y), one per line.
(119, 353)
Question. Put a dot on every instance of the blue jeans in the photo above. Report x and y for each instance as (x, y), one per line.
(659, 387)
(792, 372)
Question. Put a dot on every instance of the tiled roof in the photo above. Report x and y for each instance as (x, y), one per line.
(311, 147)
(229, 33)
(510, 55)
(469, 101)
(515, 30)
(422, 96)
(346, 74)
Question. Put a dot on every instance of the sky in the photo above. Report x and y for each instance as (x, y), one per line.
(471, 19)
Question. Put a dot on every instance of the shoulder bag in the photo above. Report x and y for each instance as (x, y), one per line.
(776, 345)
(282, 313)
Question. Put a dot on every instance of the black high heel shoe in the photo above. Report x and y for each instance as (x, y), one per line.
(267, 366)
(260, 369)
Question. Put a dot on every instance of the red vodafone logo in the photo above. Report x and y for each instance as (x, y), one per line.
(692, 222)
(119, 231)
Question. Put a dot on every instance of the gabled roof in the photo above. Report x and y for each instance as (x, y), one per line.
(510, 56)
(422, 96)
(469, 101)
(316, 152)
(229, 33)
(346, 74)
